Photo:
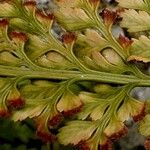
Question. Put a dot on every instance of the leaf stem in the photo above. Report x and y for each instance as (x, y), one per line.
(64, 75)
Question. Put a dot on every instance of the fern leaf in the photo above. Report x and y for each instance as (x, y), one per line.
(72, 15)
(144, 126)
(136, 21)
(140, 50)
(50, 78)
(135, 4)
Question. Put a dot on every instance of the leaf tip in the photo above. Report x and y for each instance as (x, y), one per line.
(47, 16)
(54, 121)
(68, 38)
(106, 146)
(147, 144)
(72, 112)
(4, 113)
(119, 134)
(30, 5)
(3, 22)
(109, 16)
(16, 103)
(125, 41)
(46, 136)
(18, 36)
(83, 146)
(140, 115)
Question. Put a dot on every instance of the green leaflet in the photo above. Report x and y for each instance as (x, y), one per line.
(38, 47)
(69, 101)
(9, 10)
(44, 88)
(76, 131)
(77, 18)
(135, 4)
(8, 59)
(73, 16)
(21, 24)
(33, 109)
(136, 21)
(144, 126)
(93, 39)
(69, 3)
(140, 49)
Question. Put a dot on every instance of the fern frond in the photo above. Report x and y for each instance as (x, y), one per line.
(61, 79)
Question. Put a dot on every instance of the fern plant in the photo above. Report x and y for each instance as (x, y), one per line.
(76, 87)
